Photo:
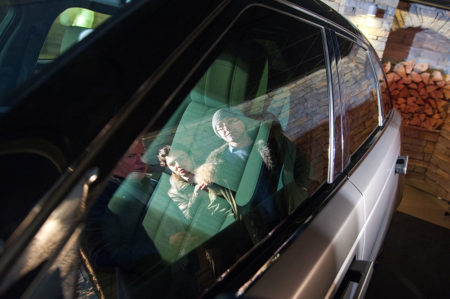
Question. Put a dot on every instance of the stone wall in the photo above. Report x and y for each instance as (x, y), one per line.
(420, 33)
(375, 28)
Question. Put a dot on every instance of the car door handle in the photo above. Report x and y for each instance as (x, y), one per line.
(356, 281)
(401, 165)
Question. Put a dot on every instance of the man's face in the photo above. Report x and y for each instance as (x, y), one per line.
(132, 162)
(231, 129)
(180, 163)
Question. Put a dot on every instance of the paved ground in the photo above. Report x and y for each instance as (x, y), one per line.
(425, 206)
(415, 259)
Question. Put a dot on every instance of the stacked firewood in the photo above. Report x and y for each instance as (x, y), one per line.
(420, 94)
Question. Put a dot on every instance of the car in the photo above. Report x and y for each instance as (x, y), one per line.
(181, 149)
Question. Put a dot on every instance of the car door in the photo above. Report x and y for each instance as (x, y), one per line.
(267, 73)
(222, 57)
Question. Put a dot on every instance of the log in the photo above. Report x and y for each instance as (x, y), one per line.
(415, 77)
(413, 107)
(421, 67)
(414, 93)
(436, 76)
(404, 92)
(399, 69)
(403, 107)
(425, 77)
(423, 93)
(409, 65)
(431, 88)
(420, 94)
(437, 94)
(440, 83)
(432, 103)
(411, 100)
(405, 80)
(413, 86)
(393, 77)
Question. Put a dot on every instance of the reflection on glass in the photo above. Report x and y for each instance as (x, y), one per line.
(386, 103)
(358, 94)
(247, 148)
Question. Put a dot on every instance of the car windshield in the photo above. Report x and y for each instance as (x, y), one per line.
(34, 33)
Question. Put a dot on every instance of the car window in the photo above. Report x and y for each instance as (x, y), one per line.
(358, 96)
(35, 33)
(70, 27)
(245, 148)
(386, 104)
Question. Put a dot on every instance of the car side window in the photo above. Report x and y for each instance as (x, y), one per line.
(245, 148)
(358, 96)
(70, 27)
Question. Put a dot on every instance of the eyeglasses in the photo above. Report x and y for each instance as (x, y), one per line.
(220, 126)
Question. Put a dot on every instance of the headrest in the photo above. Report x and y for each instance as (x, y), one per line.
(235, 76)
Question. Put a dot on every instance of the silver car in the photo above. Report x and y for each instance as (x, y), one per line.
(191, 149)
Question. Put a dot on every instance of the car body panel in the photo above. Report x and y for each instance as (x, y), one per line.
(379, 186)
(321, 253)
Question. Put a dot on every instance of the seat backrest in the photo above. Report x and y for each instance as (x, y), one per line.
(235, 76)
(72, 35)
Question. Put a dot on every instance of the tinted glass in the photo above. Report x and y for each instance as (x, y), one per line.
(70, 27)
(245, 148)
(34, 33)
(4, 7)
(358, 95)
